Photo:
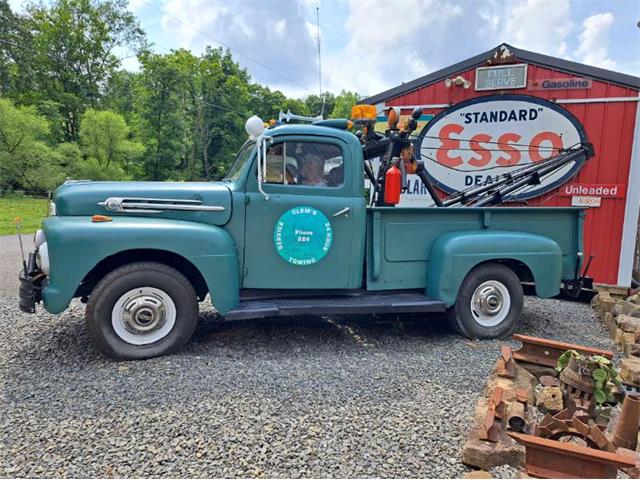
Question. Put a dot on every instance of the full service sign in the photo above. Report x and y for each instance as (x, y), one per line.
(501, 77)
(303, 236)
(473, 141)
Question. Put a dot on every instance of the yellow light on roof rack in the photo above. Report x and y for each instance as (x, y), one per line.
(365, 112)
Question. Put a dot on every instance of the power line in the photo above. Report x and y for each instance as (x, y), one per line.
(220, 107)
(266, 67)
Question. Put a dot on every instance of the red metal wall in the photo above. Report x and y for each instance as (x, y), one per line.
(609, 127)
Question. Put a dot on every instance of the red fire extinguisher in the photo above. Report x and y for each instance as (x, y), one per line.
(392, 185)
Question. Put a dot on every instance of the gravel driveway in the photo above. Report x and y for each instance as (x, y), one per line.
(335, 396)
(307, 396)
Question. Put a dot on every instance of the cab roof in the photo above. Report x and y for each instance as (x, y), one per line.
(312, 130)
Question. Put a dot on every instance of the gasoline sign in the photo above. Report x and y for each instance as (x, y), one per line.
(303, 235)
(472, 142)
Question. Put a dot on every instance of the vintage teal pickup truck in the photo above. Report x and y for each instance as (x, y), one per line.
(289, 231)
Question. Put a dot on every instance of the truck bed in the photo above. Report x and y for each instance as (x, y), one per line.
(399, 239)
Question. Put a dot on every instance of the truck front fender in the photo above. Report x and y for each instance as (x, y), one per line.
(453, 255)
(76, 245)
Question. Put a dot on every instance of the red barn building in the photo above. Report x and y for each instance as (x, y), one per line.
(601, 104)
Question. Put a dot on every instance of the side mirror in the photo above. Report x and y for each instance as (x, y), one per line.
(417, 113)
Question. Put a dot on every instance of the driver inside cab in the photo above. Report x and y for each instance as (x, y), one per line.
(313, 171)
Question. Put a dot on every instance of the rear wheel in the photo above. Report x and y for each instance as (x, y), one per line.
(489, 302)
(142, 310)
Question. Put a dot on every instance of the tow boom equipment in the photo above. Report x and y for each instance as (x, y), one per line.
(388, 147)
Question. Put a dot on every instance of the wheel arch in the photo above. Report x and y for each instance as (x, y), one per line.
(520, 268)
(165, 257)
(77, 246)
(531, 257)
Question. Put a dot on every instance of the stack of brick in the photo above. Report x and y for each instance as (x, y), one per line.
(622, 318)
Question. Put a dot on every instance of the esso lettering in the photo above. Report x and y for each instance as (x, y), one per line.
(483, 150)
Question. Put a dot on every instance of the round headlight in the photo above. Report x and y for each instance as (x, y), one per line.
(43, 258)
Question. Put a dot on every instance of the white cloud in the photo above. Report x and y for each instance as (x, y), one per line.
(538, 25)
(17, 6)
(594, 40)
(389, 43)
(183, 19)
(373, 45)
(136, 5)
(274, 34)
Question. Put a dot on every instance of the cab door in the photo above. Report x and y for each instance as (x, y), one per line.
(309, 233)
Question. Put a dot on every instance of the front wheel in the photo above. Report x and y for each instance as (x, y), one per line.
(142, 310)
(489, 302)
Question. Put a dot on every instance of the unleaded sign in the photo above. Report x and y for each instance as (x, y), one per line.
(501, 77)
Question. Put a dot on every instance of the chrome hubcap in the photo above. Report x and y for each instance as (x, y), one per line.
(143, 315)
(490, 303)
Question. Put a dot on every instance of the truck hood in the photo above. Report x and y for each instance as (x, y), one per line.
(204, 202)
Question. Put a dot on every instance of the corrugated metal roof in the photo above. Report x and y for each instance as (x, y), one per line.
(523, 55)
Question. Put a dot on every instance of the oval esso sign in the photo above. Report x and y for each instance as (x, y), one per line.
(473, 141)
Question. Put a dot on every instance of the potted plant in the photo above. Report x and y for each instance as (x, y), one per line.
(590, 374)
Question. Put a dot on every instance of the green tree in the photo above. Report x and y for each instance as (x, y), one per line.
(108, 153)
(221, 103)
(119, 93)
(162, 95)
(314, 104)
(264, 102)
(26, 161)
(343, 104)
(190, 112)
(16, 54)
(74, 43)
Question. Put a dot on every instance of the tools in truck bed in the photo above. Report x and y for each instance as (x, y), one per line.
(395, 148)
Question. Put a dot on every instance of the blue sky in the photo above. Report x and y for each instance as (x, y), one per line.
(371, 45)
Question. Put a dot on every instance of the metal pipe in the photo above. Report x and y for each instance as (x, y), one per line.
(515, 416)
(422, 174)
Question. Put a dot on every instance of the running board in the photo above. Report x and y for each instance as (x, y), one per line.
(361, 304)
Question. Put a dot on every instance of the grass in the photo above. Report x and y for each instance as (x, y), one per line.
(31, 211)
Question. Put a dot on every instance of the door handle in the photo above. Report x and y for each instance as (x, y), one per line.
(340, 212)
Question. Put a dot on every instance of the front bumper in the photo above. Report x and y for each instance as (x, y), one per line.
(31, 282)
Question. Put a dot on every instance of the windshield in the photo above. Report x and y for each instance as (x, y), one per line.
(242, 157)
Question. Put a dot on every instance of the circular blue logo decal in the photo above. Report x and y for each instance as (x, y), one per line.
(303, 236)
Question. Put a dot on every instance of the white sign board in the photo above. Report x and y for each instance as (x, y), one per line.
(581, 201)
(472, 142)
(501, 77)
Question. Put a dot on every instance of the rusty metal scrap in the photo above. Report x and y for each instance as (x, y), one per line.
(549, 381)
(546, 458)
(515, 418)
(568, 423)
(496, 399)
(626, 432)
(489, 427)
(541, 351)
(506, 367)
(495, 411)
(522, 396)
